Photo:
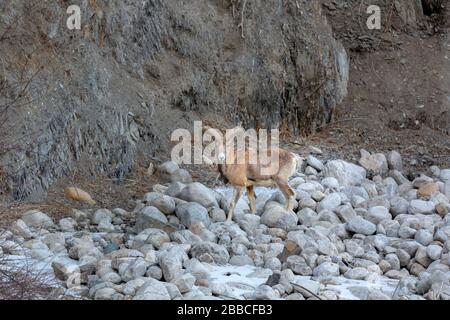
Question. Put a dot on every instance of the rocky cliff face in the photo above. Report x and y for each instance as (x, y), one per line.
(100, 96)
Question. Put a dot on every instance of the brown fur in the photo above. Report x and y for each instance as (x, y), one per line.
(78, 195)
(250, 175)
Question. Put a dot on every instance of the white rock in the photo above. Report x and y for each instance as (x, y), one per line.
(197, 192)
(360, 225)
(326, 269)
(184, 282)
(192, 213)
(102, 215)
(330, 202)
(378, 214)
(152, 290)
(315, 163)
(421, 207)
(434, 252)
(346, 173)
(275, 216)
(37, 219)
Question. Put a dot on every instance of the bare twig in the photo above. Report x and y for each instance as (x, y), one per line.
(241, 25)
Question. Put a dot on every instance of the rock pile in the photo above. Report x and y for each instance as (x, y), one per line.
(346, 231)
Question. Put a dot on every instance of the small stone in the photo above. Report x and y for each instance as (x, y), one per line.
(361, 226)
(375, 163)
(315, 163)
(164, 204)
(330, 202)
(241, 260)
(378, 214)
(394, 160)
(197, 192)
(184, 282)
(102, 215)
(275, 216)
(20, 228)
(298, 265)
(37, 219)
(192, 213)
(326, 269)
(210, 252)
(424, 237)
(421, 207)
(356, 274)
(434, 252)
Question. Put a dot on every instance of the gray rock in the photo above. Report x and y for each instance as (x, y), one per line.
(394, 160)
(102, 215)
(147, 217)
(421, 207)
(307, 217)
(272, 263)
(406, 232)
(398, 206)
(327, 248)
(20, 228)
(377, 214)
(434, 252)
(393, 260)
(326, 269)
(445, 175)
(168, 168)
(275, 216)
(241, 260)
(375, 163)
(356, 274)
(403, 257)
(105, 226)
(155, 237)
(330, 202)
(353, 248)
(315, 163)
(165, 204)
(171, 263)
(154, 272)
(37, 219)
(134, 270)
(330, 183)
(298, 265)
(360, 225)
(210, 252)
(105, 294)
(346, 173)
(264, 292)
(197, 192)
(217, 215)
(152, 290)
(67, 224)
(192, 213)
(184, 282)
(424, 237)
(181, 175)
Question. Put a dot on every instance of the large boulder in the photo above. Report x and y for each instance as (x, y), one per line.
(149, 217)
(197, 192)
(210, 252)
(192, 213)
(346, 173)
(37, 219)
(276, 216)
(375, 163)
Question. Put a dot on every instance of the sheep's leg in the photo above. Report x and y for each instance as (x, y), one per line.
(237, 195)
(287, 192)
(251, 198)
